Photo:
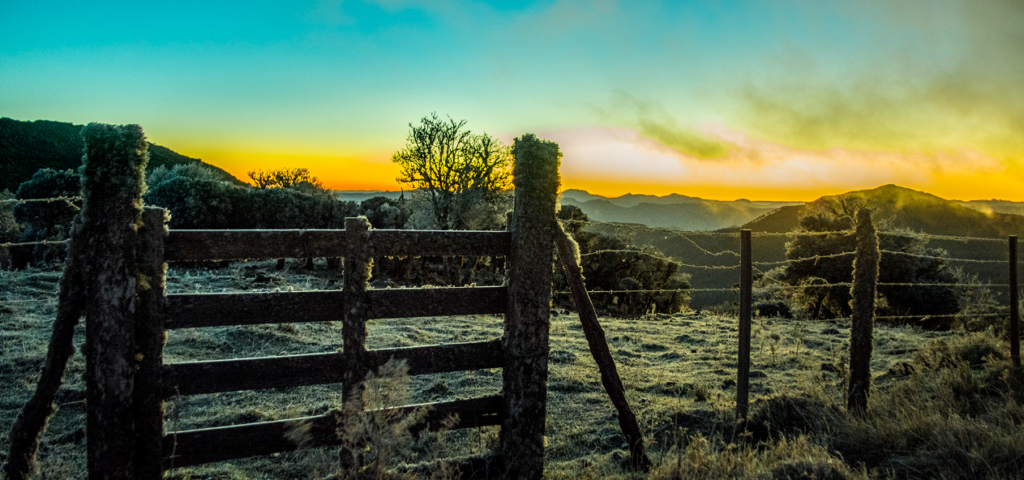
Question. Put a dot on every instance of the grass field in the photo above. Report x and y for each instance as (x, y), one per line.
(946, 404)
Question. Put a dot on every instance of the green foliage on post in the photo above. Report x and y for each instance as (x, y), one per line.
(865, 279)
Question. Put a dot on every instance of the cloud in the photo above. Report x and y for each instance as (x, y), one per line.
(651, 120)
(617, 155)
(951, 82)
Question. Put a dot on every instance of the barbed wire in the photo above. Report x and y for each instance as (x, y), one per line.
(929, 236)
(921, 235)
(38, 242)
(805, 259)
(661, 257)
(801, 234)
(42, 200)
(714, 233)
(948, 315)
(947, 259)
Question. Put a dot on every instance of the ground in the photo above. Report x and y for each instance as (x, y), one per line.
(678, 370)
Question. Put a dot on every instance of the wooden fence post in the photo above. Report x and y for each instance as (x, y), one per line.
(1014, 305)
(525, 341)
(865, 279)
(358, 264)
(149, 343)
(112, 183)
(743, 363)
(569, 254)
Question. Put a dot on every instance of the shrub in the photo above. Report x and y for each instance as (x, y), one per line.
(383, 212)
(610, 263)
(44, 220)
(922, 266)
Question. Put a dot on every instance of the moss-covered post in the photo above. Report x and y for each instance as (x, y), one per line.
(112, 187)
(1014, 305)
(865, 279)
(525, 341)
(743, 362)
(149, 343)
(358, 264)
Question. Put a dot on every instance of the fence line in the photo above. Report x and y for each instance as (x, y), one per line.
(929, 236)
(38, 242)
(68, 200)
(947, 259)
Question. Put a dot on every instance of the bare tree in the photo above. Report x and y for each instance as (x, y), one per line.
(454, 167)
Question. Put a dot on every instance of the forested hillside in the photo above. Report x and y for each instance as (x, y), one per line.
(26, 147)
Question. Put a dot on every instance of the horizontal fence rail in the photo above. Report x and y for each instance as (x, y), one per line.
(195, 245)
(223, 309)
(191, 378)
(194, 447)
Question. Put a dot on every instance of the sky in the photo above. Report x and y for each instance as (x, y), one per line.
(756, 99)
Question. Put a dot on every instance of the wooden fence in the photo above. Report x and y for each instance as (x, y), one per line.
(127, 438)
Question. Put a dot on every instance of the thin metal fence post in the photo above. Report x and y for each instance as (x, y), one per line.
(743, 363)
(1014, 305)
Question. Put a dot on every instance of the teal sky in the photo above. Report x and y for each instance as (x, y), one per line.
(715, 86)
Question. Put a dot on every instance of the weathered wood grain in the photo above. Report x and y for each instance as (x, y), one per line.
(432, 302)
(531, 252)
(429, 243)
(190, 378)
(194, 447)
(149, 343)
(221, 309)
(253, 244)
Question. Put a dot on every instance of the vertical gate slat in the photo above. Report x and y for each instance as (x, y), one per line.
(358, 264)
(149, 345)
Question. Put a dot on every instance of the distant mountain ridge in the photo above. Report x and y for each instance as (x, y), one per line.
(670, 211)
(26, 147)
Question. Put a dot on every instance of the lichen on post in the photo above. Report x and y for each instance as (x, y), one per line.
(149, 345)
(112, 186)
(865, 279)
(525, 341)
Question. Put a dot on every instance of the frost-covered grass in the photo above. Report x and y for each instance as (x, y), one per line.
(945, 403)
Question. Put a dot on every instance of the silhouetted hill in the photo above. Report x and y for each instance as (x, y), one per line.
(903, 207)
(26, 147)
(670, 211)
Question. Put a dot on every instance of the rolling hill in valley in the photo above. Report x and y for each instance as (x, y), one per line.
(26, 147)
(896, 206)
(670, 211)
(906, 208)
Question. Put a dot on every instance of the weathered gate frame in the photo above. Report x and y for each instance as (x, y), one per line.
(521, 353)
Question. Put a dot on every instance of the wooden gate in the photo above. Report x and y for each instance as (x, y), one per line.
(521, 352)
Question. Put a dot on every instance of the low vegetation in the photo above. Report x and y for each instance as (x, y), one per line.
(944, 404)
